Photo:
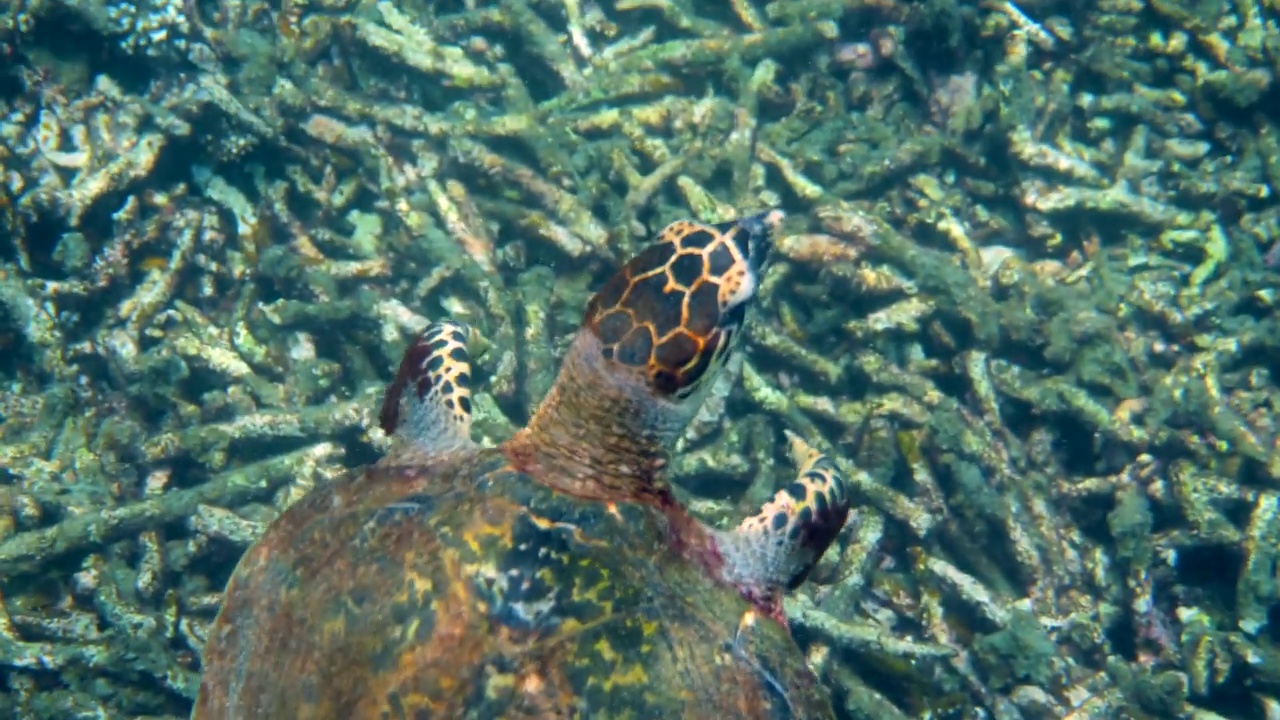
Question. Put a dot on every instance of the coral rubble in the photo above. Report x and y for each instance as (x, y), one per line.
(1029, 296)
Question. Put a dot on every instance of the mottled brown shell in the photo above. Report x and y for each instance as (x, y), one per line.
(464, 589)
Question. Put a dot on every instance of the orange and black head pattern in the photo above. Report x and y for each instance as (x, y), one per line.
(673, 310)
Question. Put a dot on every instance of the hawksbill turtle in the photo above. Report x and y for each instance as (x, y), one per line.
(555, 575)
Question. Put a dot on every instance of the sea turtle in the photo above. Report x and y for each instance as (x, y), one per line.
(552, 576)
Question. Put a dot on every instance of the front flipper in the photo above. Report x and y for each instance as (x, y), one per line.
(429, 403)
(775, 549)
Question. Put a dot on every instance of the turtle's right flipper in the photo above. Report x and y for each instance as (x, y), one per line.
(429, 403)
(775, 549)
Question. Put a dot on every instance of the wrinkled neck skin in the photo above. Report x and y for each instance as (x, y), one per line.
(601, 434)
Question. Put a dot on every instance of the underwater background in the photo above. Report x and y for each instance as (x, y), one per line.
(1027, 293)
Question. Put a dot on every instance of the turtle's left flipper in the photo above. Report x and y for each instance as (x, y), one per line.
(429, 403)
(775, 549)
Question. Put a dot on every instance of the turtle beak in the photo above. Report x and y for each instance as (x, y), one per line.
(759, 229)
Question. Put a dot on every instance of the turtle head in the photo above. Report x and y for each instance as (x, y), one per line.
(674, 311)
(653, 339)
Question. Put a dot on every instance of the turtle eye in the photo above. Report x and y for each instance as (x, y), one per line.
(754, 234)
(673, 310)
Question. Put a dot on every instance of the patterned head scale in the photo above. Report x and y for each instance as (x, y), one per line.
(674, 310)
